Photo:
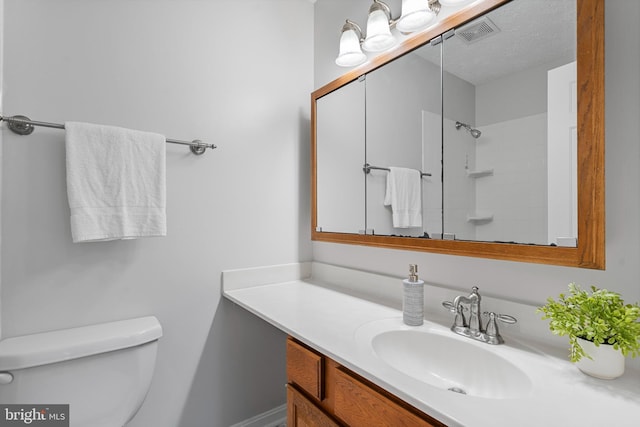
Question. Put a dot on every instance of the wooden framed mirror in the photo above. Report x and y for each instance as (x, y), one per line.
(589, 251)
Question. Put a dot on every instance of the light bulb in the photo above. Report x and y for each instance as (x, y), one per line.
(379, 35)
(416, 14)
(350, 53)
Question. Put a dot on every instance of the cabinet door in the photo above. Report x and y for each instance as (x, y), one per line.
(302, 413)
(305, 369)
(359, 405)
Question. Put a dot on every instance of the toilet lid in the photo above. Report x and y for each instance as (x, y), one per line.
(56, 346)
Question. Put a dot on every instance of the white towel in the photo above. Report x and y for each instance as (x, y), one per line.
(404, 195)
(116, 182)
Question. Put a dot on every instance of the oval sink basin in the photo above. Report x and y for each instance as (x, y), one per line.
(450, 362)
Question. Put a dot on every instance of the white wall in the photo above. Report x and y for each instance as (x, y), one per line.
(459, 151)
(235, 73)
(1, 143)
(432, 163)
(340, 157)
(459, 190)
(533, 283)
(516, 193)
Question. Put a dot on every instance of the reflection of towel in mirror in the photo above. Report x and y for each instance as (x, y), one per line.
(403, 194)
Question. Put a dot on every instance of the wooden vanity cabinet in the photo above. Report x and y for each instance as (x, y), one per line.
(322, 393)
(301, 412)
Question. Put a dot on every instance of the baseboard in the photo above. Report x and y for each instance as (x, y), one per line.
(276, 417)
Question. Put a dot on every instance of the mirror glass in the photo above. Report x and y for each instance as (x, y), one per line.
(509, 123)
(496, 163)
(340, 186)
(403, 130)
(500, 107)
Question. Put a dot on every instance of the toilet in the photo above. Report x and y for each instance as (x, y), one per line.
(103, 372)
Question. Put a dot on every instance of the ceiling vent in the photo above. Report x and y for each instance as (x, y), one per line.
(477, 30)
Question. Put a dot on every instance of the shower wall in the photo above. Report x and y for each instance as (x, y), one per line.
(516, 193)
(459, 153)
(511, 113)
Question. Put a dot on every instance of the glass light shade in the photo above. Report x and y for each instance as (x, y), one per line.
(350, 53)
(379, 35)
(416, 14)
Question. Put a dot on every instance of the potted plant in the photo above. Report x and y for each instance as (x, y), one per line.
(602, 329)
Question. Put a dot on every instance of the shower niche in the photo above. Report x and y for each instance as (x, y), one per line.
(479, 173)
(475, 217)
(486, 108)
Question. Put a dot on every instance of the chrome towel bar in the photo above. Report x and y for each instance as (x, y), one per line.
(367, 168)
(23, 125)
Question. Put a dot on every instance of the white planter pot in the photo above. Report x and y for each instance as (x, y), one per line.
(605, 363)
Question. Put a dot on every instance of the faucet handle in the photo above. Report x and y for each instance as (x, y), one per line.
(505, 318)
(460, 320)
(452, 308)
(449, 306)
(492, 326)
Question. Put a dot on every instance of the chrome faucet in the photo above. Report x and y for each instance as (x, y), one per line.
(473, 327)
(473, 300)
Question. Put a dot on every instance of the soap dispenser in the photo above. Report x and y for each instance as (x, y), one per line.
(413, 298)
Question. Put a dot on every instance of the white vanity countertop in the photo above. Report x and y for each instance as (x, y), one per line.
(329, 321)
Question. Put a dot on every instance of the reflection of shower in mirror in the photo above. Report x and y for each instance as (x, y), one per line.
(474, 132)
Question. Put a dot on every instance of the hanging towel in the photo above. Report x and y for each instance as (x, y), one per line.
(116, 182)
(404, 196)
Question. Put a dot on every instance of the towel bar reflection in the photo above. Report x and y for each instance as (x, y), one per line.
(23, 125)
(367, 168)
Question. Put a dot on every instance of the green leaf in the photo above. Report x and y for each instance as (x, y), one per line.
(600, 316)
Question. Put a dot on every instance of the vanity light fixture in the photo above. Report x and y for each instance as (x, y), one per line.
(379, 37)
(350, 52)
(416, 15)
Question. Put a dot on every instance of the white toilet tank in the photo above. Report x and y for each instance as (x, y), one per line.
(103, 372)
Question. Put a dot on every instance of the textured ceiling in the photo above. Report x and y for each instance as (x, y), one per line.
(532, 32)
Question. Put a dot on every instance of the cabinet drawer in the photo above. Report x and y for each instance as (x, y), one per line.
(359, 405)
(305, 369)
(301, 412)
